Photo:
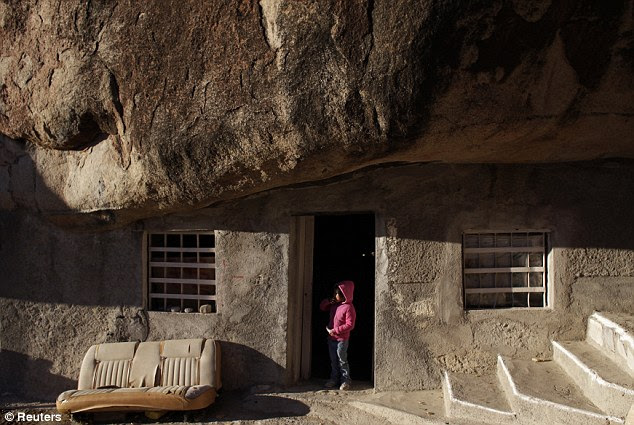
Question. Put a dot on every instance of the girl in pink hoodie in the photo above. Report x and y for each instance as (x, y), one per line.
(342, 319)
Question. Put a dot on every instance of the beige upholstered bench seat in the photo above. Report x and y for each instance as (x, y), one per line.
(161, 376)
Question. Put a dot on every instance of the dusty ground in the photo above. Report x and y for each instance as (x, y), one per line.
(305, 404)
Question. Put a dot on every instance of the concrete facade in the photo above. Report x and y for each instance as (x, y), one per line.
(65, 290)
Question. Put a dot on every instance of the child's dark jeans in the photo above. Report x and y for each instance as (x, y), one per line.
(339, 367)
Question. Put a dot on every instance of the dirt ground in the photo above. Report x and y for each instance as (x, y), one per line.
(308, 403)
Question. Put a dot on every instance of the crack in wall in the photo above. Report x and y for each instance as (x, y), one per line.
(370, 12)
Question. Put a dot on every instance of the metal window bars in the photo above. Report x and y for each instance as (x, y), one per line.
(505, 269)
(181, 271)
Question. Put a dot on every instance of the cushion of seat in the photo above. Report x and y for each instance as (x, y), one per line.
(175, 397)
(196, 390)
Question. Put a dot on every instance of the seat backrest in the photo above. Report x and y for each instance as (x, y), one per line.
(210, 364)
(107, 365)
(190, 362)
(148, 364)
(180, 362)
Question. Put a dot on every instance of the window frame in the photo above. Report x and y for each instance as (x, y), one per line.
(511, 270)
(182, 297)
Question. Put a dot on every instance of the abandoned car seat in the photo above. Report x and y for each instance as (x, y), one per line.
(152, 376)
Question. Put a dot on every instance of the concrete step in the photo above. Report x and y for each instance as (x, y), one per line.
(541, 393)
(410, 408)
(601, 380)
(470, 396)
(613, 333)
(357, 413)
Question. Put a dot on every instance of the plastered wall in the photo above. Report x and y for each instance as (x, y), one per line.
(63, 291)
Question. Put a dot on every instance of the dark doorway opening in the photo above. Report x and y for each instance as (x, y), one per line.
(344, 250)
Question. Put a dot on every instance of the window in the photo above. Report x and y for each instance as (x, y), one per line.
(181, 271)
(505, 269)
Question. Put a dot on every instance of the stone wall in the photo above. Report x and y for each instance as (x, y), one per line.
(63, 291)
(132, 106)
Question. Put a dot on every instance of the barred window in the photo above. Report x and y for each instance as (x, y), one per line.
(505, 269)
(182, 271)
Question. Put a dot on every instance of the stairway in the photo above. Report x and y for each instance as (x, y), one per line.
(587, 382)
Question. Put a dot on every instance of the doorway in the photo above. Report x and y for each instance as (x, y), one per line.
(344, 250)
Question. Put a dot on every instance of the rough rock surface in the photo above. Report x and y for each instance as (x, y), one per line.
(125, 109)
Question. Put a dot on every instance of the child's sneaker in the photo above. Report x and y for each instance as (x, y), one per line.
(330, 384)
(345, 386)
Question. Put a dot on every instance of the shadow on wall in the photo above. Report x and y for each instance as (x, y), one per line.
(602, 294)
(17, 369)
(584, 203)
(243, 366)
(41, 262)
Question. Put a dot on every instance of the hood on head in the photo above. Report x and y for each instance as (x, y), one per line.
(347, 288)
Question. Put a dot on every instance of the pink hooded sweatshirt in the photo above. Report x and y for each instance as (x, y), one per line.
(342, 315)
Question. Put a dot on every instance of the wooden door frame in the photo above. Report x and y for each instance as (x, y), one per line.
(300, 294)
